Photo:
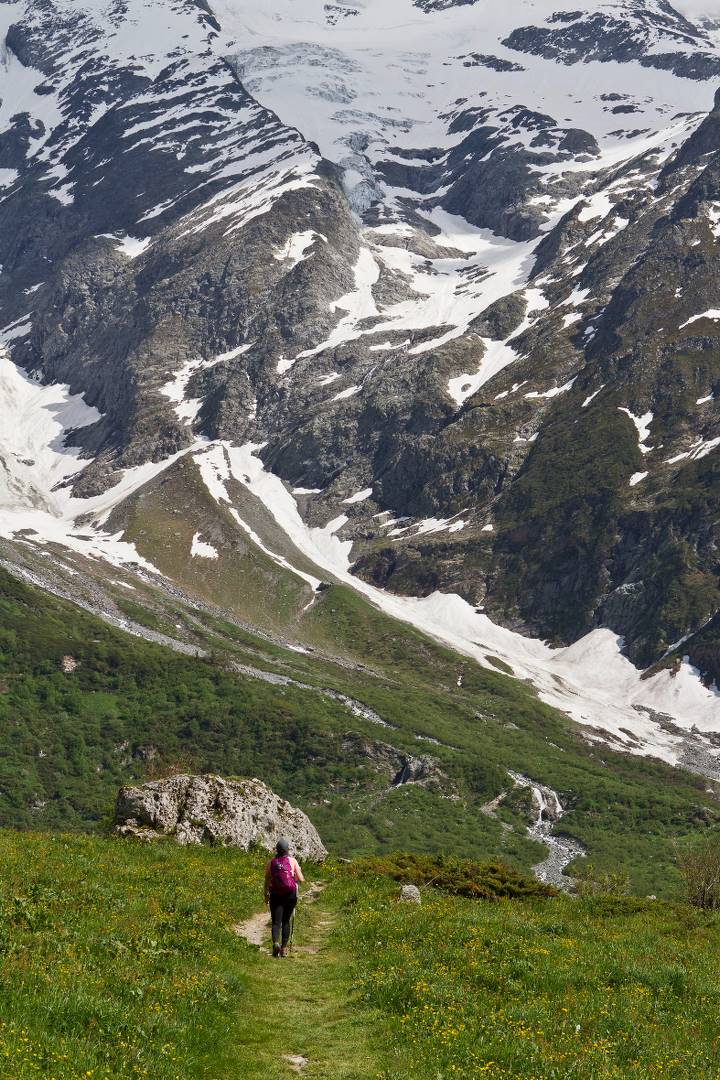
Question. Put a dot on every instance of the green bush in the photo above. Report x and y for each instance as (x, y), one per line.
(593, 882)
(700, 869)
(458, 877)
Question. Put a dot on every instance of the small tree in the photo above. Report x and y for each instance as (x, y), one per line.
(700, 868)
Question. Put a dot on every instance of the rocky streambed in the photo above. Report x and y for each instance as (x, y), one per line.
(548, 810)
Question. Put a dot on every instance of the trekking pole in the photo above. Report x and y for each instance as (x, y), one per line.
(292, 922)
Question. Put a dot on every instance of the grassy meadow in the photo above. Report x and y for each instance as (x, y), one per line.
(119, 960)
(617, 988)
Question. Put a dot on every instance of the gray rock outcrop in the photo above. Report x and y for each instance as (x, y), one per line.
(209, 809)
(398, 766)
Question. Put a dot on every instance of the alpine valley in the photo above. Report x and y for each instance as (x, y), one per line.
(360, 410)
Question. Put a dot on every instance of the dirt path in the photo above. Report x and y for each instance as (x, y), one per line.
(257, 929)
(299, 1017)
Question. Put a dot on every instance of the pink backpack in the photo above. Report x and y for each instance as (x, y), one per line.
(281, 876)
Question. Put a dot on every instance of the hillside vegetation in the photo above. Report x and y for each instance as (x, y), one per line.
(132, 709)
(122, 960)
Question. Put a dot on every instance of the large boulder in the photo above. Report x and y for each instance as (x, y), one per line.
(209, 809)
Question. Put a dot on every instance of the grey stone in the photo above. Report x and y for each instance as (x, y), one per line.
(410, 894)
(502, 318)
(210, 809)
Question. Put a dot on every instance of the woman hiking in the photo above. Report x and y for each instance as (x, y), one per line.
(282, 874)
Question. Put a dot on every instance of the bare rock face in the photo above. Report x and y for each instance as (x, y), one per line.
(209, 809)
(399, 767)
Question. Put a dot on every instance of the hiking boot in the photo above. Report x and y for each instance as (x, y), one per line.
(277, 951)
(284, 952)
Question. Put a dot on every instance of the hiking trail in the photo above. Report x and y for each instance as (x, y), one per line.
(298, 1018)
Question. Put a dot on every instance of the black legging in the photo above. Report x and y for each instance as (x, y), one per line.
(281, 909)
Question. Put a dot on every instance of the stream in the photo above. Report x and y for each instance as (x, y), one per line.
(561, 850)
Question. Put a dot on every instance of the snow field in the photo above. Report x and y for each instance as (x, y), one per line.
(590, 680)
(200, 549)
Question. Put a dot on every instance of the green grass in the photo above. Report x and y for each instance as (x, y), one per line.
(119, 960)
(618, 989)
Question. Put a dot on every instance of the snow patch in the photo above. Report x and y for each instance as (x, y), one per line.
(186, 409)
(554, 392)
(231, 354)
(711, 313)
(36, 467)
(284, 365)
(350, 392)
(359, 496)
(297, 248)
(591, 397)
(202, 550)
(642, 423)
(130, 246)
(598, 206)
(336, 524)
(497, 356)
(699, 449)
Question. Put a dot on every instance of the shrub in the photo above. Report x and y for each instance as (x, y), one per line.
(591, 882)
(459, 877)
(160, 768)
(700, 869)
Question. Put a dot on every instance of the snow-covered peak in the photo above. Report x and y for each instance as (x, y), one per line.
(177, 251)
(389, 88)
(88, 88)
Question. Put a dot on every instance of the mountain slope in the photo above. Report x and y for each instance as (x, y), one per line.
(416, 297)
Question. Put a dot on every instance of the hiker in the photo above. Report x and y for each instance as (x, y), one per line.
(282, 874)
